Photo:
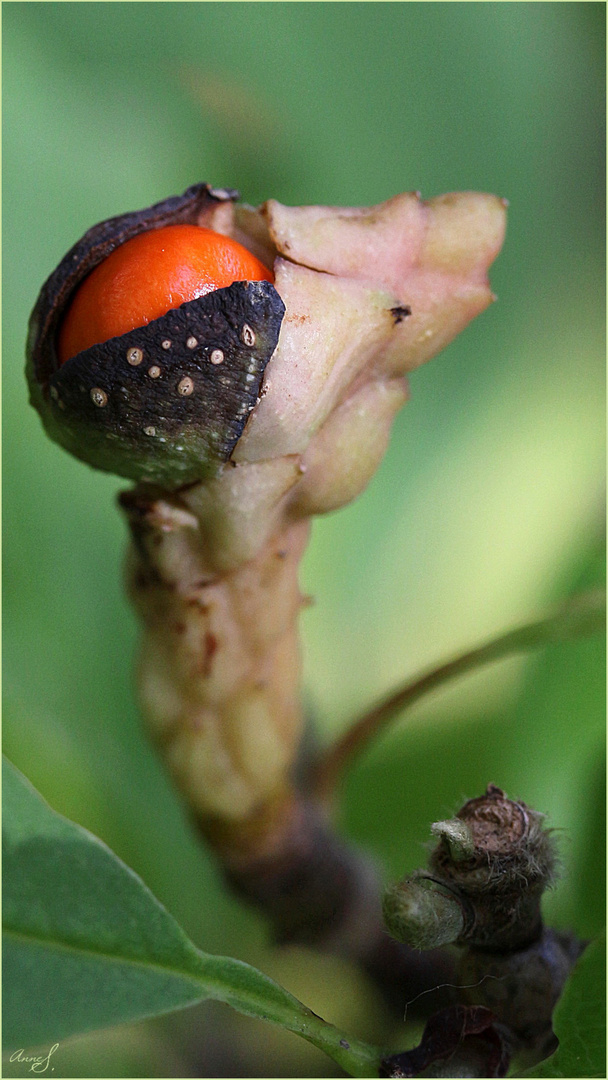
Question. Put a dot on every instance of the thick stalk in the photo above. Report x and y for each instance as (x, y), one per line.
(219, 680)
(219, 671)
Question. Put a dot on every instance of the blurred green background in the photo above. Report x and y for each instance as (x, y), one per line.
(488, 507)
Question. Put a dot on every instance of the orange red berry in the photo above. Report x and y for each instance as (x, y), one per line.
(150, 275)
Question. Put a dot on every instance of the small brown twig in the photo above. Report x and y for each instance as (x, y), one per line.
(580, 615)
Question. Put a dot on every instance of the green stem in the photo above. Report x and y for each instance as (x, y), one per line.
(579, 616)
(279, 1007)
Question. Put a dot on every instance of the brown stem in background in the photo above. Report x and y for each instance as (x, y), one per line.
(580, 615)
(326, 773)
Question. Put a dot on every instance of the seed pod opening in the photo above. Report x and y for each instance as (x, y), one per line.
(154, 404)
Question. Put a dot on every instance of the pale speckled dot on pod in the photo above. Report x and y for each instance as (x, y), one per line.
(99, 397)
(185, 386)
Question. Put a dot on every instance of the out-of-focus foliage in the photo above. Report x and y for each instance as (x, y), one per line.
(488, 506)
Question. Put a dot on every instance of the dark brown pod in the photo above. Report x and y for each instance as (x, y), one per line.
(167, 402)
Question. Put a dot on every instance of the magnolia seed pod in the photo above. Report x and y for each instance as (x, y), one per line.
(167, 401)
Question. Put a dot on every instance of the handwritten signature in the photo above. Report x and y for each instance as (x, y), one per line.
(36, 1064)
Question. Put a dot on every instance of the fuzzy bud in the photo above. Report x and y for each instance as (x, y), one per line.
(457, 837)
(511, 862)
(422, 913)
(482, 892)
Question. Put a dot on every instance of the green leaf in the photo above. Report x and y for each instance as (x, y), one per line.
(579, 1020)
(86, 944)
